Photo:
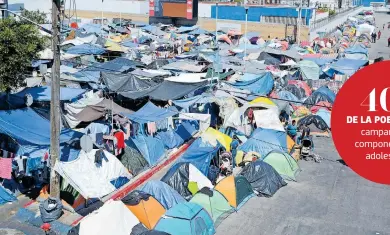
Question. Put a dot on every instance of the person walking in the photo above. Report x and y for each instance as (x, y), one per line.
(373, 37)
(388, 42)
(383, 26)
(379, 34)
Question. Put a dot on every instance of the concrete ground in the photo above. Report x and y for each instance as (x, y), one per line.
(380, 48)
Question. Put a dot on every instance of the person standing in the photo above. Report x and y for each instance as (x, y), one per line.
(383, 26)
(379, 34)
(388, 42)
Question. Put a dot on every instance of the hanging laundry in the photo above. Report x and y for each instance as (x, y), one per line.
(120, 136)
(33, 164)
(162, 125)
(152, 129)
(5, 168)
(21, 162)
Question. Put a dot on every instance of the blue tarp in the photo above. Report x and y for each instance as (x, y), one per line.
(92, 28)
(150, 113)
(263, 141)
(345, 66)
(320, 61)
(31, 131)
(170, 139)
(117, 65)
(6, 196)
(87, 76)
(86, 49)
(43, 93)
(36, 63)
(163, 193)
(325, 115)
(200, 155)
(198, 99)
(262, 85)
(287, 96)
(358, 49)
(152, 149)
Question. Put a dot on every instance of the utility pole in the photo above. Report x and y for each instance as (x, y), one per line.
(55, 100)
(299, 23)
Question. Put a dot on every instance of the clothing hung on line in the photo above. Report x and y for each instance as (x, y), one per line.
(152, 129)
(5, 168)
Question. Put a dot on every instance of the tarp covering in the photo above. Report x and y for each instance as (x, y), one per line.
(116, 65)
(346, 66)
(150, 113)
(6, 196)
(309, 70)
(151, 148)
(89, 179)
(33, 134)
(167, 90)
(264, 179)
(322, 94)
(263, 141)
(318, 122)
(261, 86)
(112, 218)
(43, 93)
(86, 49)
(200, 154)
(126, 83)
(268, 118)
(163, 193)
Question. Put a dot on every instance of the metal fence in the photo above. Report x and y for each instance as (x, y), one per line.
(322, 22)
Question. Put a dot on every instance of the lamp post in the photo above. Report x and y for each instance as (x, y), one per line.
(299, 23)
(246, 30)
(216, 23)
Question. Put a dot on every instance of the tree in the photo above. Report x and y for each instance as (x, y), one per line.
(19, 46)
(38, 17)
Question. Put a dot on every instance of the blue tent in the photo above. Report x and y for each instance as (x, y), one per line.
(150, 113)
(325, 115)
(31, 131)
(163, 193)
(186, 219)
(262, 85)
(152, 149)
(43, 94)
(345, 66)
(358, 49)
(92, 28)
(263, 141)
(287, 96)
(200, 155)
(6, 196)
(170, 138)
(321, 94)
(86, 49)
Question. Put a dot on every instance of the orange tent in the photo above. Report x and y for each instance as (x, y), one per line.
(237, 190)
(145, 207)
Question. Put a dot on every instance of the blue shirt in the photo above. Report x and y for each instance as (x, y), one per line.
(291, 130)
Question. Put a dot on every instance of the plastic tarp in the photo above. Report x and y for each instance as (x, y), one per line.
(43, 94)
(268, 118)
(198, 99)
(86, 49)
(358, 49)
(345, 66)
(112, 218)
(189, 66)
(264, 179)
(263, 141)
(309, 70)
(150, 113)
(170, 138)
(200, 154)
(89, 179)
(320, 61)
(315, 122)
(322, 94)
(116, 65)
(325, 115)
(163, 193)
(262, 85)
(33, 134)
(126, 83)
(6, 196)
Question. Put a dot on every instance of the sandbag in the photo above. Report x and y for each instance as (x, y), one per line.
(51, 209)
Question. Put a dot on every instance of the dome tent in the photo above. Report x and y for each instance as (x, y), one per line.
(284, 164)
(236, 190)
(163, 193)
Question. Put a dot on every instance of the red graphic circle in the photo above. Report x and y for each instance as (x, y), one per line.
(361, 136)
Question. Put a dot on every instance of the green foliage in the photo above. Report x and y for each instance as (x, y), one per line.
(38, 17)
(332, 12)
(19, 45)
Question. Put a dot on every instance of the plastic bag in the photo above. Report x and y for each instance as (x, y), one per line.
(51, 209)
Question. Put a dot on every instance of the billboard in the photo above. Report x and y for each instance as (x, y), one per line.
(174, 8)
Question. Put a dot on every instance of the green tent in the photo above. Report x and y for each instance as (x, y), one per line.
(284, 164)
(309, 70)
(214, 203)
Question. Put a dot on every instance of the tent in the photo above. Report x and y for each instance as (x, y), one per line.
(86, 49)
(263, 100)
(345, 66)
(264, 179)
(321, 94)
(263, 141)
(150, 113)
(112, 218)
(118, 65)
(269, 59)
(186, 179)
(358, 52)
(93, 180)
(325, 115)
(261, 85)
(128, 83)
(151, 148)
(309, 70)
(268, 118)
(43, 94)
(200, 154)
(186, 219)
(315, 123)
(303, 85)
(214, 203)
(145, 207)
(214, 137)
(321, 105)
(283, 163)
(236, 190)
(163, 193)
(6, 196)
(299, 92)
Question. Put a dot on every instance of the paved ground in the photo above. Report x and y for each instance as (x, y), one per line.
(380, 48)
(329, 198)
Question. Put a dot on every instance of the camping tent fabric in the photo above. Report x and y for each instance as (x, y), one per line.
(316, 120)
(321, 105)
(303, 85)
(163, 193)
(150, 113)
(264, 179)
(86, 49)
(263, 141)
(216, 205)
(151, 148)
(322, 94)
(200, 154)
(325, 115)
(112, 218)
(309, 70)
(6, 196)
(295, 90)
(43, 94)
(146, 208)
(214, 137)
(346, 66)
(186, 218)
(170, 138)
(262, 85)
(236, 190)
(269, 59)
(284, 164)
(89, 179)
(126, 83)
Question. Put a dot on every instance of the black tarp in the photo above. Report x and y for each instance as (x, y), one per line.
(133, 160)
(317, 97)
(269, 59)
(178, 178)
(299, 92)
(117, 82)
(264, 179)
(135, 197)
(315, 122)
(167, 90)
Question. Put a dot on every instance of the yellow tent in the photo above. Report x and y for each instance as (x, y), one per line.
(212, 136)
(262, 100)
(113, 46)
